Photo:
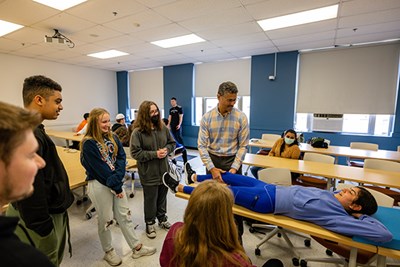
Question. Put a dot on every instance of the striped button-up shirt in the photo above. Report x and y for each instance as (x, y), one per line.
(223, 136)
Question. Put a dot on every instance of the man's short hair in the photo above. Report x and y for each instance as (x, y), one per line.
(173, 98)
(38, 85)
(86, 116)
(367, 202)
(227, 88)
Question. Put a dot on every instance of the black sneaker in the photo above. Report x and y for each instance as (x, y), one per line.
(170, 182)
(189, 172)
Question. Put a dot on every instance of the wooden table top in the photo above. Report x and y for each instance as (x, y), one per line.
(336, 150)
(65, 135)
(360, 175)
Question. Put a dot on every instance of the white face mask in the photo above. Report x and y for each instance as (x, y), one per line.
(289, 141)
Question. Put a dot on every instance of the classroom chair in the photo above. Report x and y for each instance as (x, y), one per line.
(282, 177)
(360, 145)
(315, 181)
(363, 257)
(385, 165)
(270, 137)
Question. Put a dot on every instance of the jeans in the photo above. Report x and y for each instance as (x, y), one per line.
(108, 207)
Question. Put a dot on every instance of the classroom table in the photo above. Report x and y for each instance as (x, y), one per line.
(65, 135)
(336, 151)
(330, 171)
(302, 226)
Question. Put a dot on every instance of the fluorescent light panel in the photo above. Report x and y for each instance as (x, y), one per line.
(299, 18)
(60, 4)
(178, 41)
(7, 27)
(108, 54)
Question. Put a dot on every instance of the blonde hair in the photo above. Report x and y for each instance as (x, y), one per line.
(209, 232)
(15, 122)
(94, 132)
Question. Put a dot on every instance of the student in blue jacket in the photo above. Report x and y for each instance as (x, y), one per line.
(104, 159)
(345, 212)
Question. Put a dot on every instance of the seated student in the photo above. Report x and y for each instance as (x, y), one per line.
(78, 130)
(285, 147)
(120, 129)
(19, 164)
(344, 212)
(204, 240)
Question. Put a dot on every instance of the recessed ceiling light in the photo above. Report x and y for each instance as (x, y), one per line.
(60, 5)
(108, 54)
(178, 41)
(7, 27)
(299, 18)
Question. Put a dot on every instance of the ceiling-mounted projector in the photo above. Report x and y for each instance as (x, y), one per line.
(58, 38)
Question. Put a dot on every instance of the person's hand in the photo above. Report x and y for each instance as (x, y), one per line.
(232, 170)
(120, 195)
(162, 153)
(216, 174)
(178, 127)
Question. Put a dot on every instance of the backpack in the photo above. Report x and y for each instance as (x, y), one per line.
(318, 142)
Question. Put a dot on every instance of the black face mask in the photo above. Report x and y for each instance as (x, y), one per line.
(155, 119)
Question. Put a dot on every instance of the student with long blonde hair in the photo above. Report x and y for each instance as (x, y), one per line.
(208, 236)
(104, 159)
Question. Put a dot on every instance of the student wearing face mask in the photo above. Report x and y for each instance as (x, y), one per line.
(285, 147)
(151, 142)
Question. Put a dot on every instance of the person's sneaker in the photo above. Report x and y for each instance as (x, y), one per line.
(151, 231)
(112, 258)
(170, 182)
(188, 173)
(143, 251)
(164, 225)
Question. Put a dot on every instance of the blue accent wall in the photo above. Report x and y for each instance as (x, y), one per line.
(179, 83)
(124, 105)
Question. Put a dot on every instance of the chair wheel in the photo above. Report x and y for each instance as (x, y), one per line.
(88, 215)
(131, 195)
(295, 261)
(78, 202)
(279, 235)
(329, 252)
(84, 199)
(307, 243)
(252, 230)
(257, 252)
(303, 263)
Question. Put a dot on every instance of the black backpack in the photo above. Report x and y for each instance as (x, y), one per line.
(318, 142)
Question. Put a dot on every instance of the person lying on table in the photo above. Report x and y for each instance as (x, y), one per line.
(345, 212)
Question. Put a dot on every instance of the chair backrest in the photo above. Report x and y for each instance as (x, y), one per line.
(278, 176)
(327, 141)
(381, 164)
(270, 137)
(366, 146)
(318, 158)
(127, 152)
(381, 198)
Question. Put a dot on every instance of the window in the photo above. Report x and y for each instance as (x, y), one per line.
(205, 104)
(380, 125)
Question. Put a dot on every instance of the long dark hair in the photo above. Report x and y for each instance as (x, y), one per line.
(292, 144)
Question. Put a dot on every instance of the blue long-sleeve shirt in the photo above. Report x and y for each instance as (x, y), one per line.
(322, 208)
(97, 168)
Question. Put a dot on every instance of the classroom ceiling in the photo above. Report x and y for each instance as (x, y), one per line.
(228, 26)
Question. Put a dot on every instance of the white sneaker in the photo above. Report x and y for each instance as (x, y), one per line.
(112, 258)
(143, 251)
(151, 231)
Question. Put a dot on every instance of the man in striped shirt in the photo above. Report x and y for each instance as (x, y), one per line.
(223, 137)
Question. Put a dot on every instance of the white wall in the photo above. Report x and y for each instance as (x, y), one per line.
(146, 85)
(83, 88)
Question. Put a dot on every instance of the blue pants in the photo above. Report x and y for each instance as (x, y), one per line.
(248, 192)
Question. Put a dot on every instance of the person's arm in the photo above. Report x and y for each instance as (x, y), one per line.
(95, 166)
(82, 131)
(272, 152)
(364, 226)
(295, 152)
(243, 141)
(180, 121)
(202, 144)
(137, 151)
(169, 121)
